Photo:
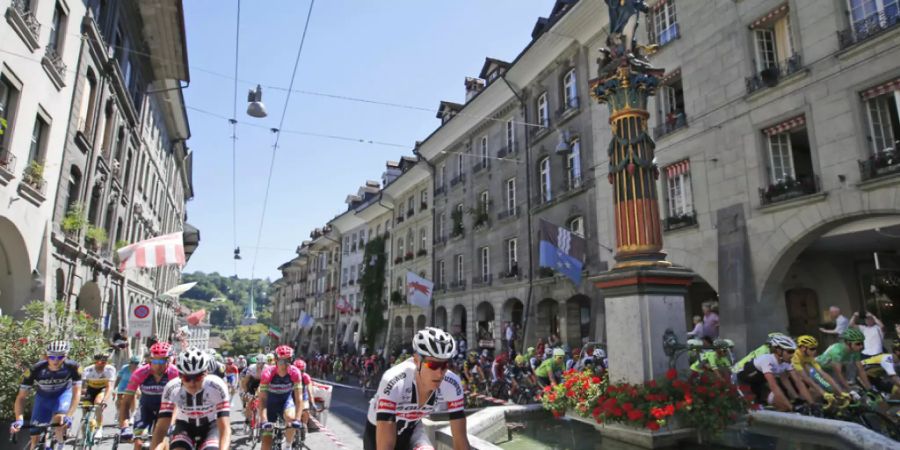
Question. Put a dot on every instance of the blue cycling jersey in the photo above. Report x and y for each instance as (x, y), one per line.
(51, 382)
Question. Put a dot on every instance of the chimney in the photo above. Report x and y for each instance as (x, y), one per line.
(473, 87)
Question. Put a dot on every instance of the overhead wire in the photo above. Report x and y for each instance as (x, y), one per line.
(277, 133)
(233, 120)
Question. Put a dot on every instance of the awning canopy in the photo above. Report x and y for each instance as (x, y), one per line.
(191, 239)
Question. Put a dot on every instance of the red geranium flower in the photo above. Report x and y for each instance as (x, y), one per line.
(635, 415)
(650, 384)
(671, 374)
(652, 425)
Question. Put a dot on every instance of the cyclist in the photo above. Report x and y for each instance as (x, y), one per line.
(772, 378)
(231, 374)
(805, 364)
(338, 369)
(216, 364)
(519, 374)
(57, 384)
(472, 371)
(279, 396)
(250, 383)
(499, 385)
(761, 350)
(718, 360)
(150, 379)
(122, 381)
(882, 370)
(411, 390)
(839, 354)
(549, 370)
(99, 379)
(305, 382)
(241, 362)
(199, 403)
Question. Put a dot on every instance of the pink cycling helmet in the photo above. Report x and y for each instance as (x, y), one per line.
(300, 364)
(284, 352)
(160, 349)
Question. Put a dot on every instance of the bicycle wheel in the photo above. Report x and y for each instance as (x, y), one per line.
(880, 423)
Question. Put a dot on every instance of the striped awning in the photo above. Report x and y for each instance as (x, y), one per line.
(770, 17)
(673, 170)
(884, 88)
(671, 76)
(787, 125)
(658, 5)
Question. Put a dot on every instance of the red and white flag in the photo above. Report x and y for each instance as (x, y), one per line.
(153, 252)
(418, 290)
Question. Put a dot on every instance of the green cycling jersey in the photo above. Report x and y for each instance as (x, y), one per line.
(761, 350)
(712, 360)
(549, 365)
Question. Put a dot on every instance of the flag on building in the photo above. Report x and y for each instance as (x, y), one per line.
(343, 305)
(562, 251)
(418, 290)
(274, 332)
(153, 252)
(305, 320)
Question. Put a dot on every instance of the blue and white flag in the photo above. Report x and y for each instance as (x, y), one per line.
(305, 320)
(561, 250)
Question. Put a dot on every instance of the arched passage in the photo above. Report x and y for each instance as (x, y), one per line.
(440, 317)
(396, 331)
(578, 320)
(547, 322)
(15, 269)
(90, 300)
(484, 318)
(420, 322)
(458, 320)
(408, 330)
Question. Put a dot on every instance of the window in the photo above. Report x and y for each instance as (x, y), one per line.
(410, 206)
(345, 276)
(573, 165)
(423, 239)
(781, 157)
(440, 273)
(512, 256)
(662, 24)
(772, 43)
(570, 89)
(484, 201)
(411, 241)
(400, 248)
(511, 194)
(346, 244)
(359, 272)
(108, 132)
(867, 16)
(485, 254)
(484, 152)
(789, 157)
(74, 191)
(576, 225)
(510, 136)
(671, 106)
(378, 229)
(678, 189)
(9, 99)
(884, 126)
(442, 176)
(544, 177)
(543, 111)
(353, 273)
(38, 141)
(423, 199)
(88, 106)
(440, 225)
(460, 272)
(57, 30)
(459, 164)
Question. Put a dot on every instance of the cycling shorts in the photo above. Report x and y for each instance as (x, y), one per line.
(414, 438)
(47, 406)
(231, 378)
(91, 394)
(145, 417)
(185, 434)
(277, 405)
(252, 385)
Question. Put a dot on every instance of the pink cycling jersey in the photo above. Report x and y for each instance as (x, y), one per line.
(143, 378)
(276, 384)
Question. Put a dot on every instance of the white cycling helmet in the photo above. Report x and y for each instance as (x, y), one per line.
(599, 353)
(193, 361)
(784, 342)
(58, 348)
(434, 342)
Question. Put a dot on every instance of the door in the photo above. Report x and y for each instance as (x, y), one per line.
(803, 311)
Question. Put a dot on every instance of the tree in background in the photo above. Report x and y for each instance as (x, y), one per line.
(372, 286)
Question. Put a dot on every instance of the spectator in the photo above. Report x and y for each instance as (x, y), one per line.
(873, 330)
(710, 321)
(697, 332)
(539, 347)
(510, 338)
(554, 340)
(119, 343)
(840, 321)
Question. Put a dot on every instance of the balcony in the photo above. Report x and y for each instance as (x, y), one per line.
(410, 212)
(458, 179)
(507, 213)
(421, 252)
(54, 66)
(675, 121)
(539, 131)
(483, 280)
(787, 190)
(881, 164)
(572, 184)
(511, 275)
(440, 190)
(400, 219)
(508, 150)
(771, 76)
(7, 165)
(484, 164)
(440, 240)
(423, 206)
(409, 256)
(542, 198)
(24, 23)
(675, 222)
(569, 110)
(458, 285)
(868, 28)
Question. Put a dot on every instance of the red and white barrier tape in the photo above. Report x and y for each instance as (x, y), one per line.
(328, 433)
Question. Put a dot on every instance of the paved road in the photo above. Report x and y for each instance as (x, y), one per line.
(345, 420)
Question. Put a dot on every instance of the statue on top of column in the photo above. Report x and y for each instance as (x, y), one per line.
(623, 26)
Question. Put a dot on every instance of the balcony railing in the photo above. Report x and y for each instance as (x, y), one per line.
(512, 274)
(881, 164)
(26, 20)
(506, 213)
(542, 127)
(458, 285)
(508, 150)
(674, 121)
(868, 28)
(572, 183)
(7, 161)
(400, 219)
(771, 76)
(482, 165)
(55, 62)
(410, 212)
(542, 198)
(675, 222)
(788, 189)
(483, 280)
(440, 190)
(458, 179)
(571, 107)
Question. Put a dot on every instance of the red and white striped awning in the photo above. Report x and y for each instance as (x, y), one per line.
(669, 77)
(770, 17)
(883, 88)
(658, 5)
(673, 170)
(787, 125)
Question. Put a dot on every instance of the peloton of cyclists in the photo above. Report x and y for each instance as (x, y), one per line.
(150, 379)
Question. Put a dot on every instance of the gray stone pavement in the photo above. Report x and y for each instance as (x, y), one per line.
(345, 419)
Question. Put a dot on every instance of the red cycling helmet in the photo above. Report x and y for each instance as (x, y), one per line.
(160, 349)
(229, 360)
(284, 352)
(300, 364)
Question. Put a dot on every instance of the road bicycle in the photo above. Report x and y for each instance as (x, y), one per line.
(253, 423)
(47, 439)
(85, 438)
(278, 438)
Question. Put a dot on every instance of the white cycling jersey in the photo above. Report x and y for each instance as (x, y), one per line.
(768, 363)
(396, 399)
(254, 371)
(200, 409)
(98, 379)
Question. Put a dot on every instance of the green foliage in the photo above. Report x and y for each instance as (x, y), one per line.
(75, 219)
(34, 173)
(22, 343)
(245, 339)
(236, 294)
(96, 235)
(121, 243)
(372, 287)
(2, 126)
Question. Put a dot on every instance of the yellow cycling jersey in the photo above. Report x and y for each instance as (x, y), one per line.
(798, 361)
(879, 365)
(99, 378)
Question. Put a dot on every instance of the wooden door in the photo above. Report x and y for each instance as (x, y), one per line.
(803, 311)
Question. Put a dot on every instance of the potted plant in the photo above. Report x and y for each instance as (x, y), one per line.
(396, 298)
(408, 256)
(421, 252)
(458, 228)
(74, 221)
(95, 237)
(34, 174)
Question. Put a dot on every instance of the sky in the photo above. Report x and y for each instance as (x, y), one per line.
(414, 53)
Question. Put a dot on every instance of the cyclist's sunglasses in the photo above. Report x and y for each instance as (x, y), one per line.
(159, 361)
(194, 377)
(56, 357)
(437, 365)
